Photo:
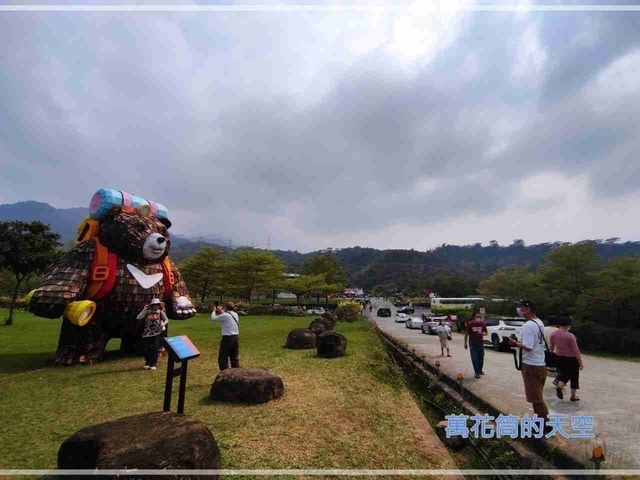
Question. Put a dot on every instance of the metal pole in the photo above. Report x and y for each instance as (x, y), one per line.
(168, 385)
(183, 386)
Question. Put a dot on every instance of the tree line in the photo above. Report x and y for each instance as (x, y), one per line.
(575, 281)
(248, 272)
(594, 280)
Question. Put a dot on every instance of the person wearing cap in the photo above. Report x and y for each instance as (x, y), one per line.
(155, 322)
(534, 368)
(229, 346)
(565, 346)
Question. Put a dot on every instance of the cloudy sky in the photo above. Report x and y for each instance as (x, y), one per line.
(396, 128)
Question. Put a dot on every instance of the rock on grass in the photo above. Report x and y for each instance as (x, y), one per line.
(247, 385)
(161, 440)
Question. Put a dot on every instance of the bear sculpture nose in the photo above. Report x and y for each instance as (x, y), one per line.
(161, 240)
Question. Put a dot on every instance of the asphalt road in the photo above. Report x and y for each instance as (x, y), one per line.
(610, 391)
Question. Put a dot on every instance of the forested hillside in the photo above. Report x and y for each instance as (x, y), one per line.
(448, 269)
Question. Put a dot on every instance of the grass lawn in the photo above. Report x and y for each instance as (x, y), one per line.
(350, 412)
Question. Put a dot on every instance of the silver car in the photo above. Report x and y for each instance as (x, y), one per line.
(401, 317)
(414, 322)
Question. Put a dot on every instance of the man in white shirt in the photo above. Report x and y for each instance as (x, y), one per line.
(229, 348)
(534, 369)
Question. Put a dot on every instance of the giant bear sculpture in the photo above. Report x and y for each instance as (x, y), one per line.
(99, 287)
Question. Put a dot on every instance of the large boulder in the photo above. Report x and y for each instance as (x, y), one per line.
(301, 338)
(331, 345)
(455, 442)
(320, 325)
(162, 440)
(250, 385)
(332, 317)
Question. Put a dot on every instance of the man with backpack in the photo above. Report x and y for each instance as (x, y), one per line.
(533, 365)
(229, 347)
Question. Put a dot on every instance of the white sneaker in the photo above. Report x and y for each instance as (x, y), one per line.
(153, 368)
(147, 367)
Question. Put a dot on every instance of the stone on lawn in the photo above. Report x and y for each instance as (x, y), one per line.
(247, 385)
(160, 440)
(301, 338)
(331, 345)
(332, 317)
(320, 325)
(455, 443)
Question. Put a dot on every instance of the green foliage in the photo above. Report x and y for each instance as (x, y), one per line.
(304, 285)
(598, 338)
(264, 309)
(25, 249)
(250, 271)
(614, 297)
(204, 273)
(509, 283)
(327, 264)
(349, 311)
(568, 271)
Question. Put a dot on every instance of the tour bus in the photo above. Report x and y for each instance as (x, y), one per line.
(439, 304)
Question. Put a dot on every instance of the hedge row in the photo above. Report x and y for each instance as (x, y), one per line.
(5, 302)
(596, 338)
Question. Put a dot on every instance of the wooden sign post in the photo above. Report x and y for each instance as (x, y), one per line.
(181, 350)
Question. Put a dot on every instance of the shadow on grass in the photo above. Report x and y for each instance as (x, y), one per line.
(217, 403)
(13, 363)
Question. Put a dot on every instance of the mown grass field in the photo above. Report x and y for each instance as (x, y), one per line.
(351, 412)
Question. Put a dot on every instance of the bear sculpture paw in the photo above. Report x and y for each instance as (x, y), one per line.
(184, 308)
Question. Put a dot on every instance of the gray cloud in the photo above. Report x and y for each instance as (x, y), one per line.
(249, 120)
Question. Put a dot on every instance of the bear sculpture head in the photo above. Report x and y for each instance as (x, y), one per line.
(134, 237)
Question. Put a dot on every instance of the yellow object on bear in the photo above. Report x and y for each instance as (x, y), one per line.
(27, 299)
(79, 313)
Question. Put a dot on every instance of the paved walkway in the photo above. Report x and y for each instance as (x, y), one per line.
(610, 392)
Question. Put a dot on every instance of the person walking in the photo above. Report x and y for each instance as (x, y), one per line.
(444, 334)
(548, 330)
(229, 346)
(565, 346)
(475, 331)
(155, 322)
(534, 368)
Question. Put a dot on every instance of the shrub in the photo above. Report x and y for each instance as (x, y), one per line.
(349, 311)
(5, 302)
(596, 338)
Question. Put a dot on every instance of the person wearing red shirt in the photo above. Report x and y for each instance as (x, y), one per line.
(475, 330)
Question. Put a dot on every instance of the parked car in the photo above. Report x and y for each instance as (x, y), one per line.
(315, 311)
(401, 317)
(413, 322)
(500, 329)
(407, 309)
(430, 322)
(384, 312)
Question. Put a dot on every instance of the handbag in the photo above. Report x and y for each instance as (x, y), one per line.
(550, 358)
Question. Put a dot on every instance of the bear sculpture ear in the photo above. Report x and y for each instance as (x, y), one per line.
(112, 213)
(165, 222)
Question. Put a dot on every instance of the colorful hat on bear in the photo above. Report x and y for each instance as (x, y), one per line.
(105, 198)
